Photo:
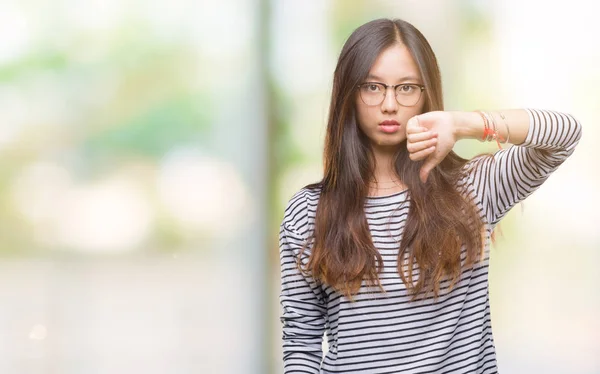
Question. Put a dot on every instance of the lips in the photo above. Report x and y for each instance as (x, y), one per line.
(389, 126)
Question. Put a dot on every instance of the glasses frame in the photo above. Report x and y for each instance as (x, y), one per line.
(394, 86)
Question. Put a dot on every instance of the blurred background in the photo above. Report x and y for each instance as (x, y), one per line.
(148, 148)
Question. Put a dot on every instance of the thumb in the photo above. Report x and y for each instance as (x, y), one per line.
(427, 167)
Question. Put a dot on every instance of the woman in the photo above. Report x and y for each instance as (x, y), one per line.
(388, 254)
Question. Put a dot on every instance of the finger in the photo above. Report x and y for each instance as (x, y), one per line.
(418, 137)
(413, 126)
(419, 146)
(416, 156)
(415, 130)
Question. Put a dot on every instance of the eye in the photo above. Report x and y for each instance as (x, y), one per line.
(373, 87)
(406, 88)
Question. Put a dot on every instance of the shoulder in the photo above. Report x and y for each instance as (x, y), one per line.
(300, 209)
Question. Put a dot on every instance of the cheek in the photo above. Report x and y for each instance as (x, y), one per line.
(364, 114)
(361, 116)
(414, 112)
(420, 107)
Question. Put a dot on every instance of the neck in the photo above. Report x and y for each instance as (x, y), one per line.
(384, 169)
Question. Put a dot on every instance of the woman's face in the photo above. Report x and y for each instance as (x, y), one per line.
(394, 65)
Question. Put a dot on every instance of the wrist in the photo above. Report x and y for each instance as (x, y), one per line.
(467, 125)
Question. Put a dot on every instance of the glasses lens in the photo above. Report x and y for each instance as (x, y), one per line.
(372, 93)
(408, 94)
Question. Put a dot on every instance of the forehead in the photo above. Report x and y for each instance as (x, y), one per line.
(394, 64)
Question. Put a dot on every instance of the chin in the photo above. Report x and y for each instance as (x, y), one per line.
(389, 142)
(391, 139)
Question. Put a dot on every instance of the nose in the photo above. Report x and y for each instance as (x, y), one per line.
(389, 103)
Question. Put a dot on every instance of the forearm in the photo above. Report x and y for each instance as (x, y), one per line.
(470, 125)
(544, 140)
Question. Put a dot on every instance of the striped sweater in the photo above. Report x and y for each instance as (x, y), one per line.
(387, 333)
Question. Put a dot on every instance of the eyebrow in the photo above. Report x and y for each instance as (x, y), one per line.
(403, 79)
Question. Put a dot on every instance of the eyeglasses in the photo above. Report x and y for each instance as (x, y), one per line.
(373, 93)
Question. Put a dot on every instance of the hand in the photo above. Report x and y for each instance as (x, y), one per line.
(430, 136)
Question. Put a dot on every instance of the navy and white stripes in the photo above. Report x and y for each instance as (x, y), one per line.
(387, 333)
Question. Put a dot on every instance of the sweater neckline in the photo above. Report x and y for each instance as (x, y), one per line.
(377, 200)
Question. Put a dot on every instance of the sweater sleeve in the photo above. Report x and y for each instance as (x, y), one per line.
(512, 174)
(303, 307)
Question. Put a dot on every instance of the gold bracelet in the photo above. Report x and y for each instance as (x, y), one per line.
(490, 134)
(507, 128)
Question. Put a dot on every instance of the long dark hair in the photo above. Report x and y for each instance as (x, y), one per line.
(342, 252)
